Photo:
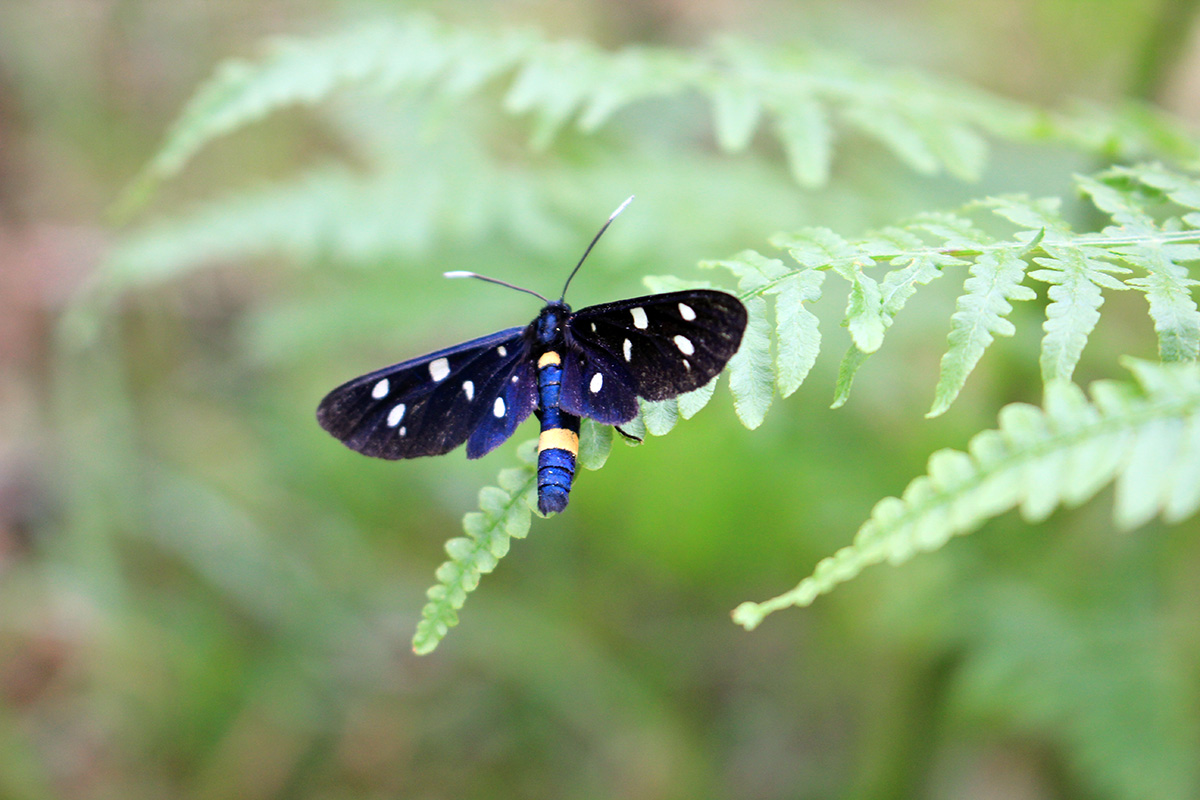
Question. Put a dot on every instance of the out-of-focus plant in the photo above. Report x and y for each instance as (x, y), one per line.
(426, 116)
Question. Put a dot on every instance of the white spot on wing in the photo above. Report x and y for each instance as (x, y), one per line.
(516, 378)
(597, 382)
(628, 348)
(502, 350)
(593, 327)
(469, 390)
(686, 312)
(394, 417)
(639, 318)
(685, 345)
(686, 365)
(381, 389)
(439, 368)
(403, 431)
(498, 408)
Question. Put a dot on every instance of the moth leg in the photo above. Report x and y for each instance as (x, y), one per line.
(628, 436)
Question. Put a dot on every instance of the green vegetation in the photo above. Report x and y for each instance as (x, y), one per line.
(230, 594)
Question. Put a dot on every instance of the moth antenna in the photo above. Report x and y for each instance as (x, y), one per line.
(603, 228)
(476, 275)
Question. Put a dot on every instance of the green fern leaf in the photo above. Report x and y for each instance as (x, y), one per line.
(631, 76)
(751, 378)
(553, 84)
(307, 71)
(847, 369)
(797, 337)
(1180, 189)
(660, 416)
(754, 271)
(504, 514)
(736, 114)
(1167, 286)
(896, 132)
(691, 402)
(636, 428)
(1168, 292)
(1043, 214)
(1124, 206)
(981, 314)
(864, 310)
(816, 248)
(807, 138)
(889, 297)
(1143, 436)
(954, 231)
(930, 125)
(1076, 277)
(962, 150)
(595, 444)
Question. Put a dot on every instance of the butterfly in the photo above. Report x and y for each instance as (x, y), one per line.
(562, 366)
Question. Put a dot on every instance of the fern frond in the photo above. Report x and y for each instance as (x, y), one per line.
(506, 512)
(929, 124)
(1145, 436)
(1077, 266)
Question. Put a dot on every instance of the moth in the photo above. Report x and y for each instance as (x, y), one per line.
(563, 366)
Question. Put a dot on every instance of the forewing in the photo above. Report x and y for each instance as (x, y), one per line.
(429, 405)
(667, 344)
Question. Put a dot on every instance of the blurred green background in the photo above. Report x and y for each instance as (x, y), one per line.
(202, 595)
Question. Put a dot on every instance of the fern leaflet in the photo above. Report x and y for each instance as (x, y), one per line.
(929, 124)
(1145, 436)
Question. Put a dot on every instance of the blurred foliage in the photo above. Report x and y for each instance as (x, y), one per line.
(205, 596)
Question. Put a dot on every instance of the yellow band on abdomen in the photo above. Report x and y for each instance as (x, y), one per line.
(559, 438)
(549, 357)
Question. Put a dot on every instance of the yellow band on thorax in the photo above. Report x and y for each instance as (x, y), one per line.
(559, 438)
(549, 357)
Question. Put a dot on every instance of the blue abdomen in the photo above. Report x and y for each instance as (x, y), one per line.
(559, 441)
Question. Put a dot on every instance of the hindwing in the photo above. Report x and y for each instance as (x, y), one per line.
(596, 386)
(658, 346)
(481, 390)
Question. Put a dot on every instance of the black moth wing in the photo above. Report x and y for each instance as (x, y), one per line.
(427, 406)
(660, 345)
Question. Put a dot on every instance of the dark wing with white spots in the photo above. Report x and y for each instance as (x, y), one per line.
(662, 345)
(480, 389)
(595, 385)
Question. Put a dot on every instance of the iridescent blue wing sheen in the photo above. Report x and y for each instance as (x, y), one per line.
(430, 405)
(596, 386)
(655, 347)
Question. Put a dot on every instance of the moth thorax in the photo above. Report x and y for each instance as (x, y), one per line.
(548, 327)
